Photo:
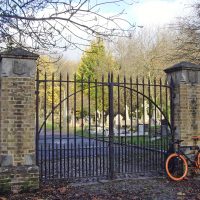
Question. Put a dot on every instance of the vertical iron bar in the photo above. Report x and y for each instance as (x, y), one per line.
(149, 146)
(103, 124)
(68, 166)
(75, 152)
(111, 131)
(82, 138)
(68, 160)
(161, 134)
(119, 123)
(89, 125)
(96, 95)
(64, 168)
(93, 160)
(107, 159)
(172, 110)
(128, 155)
(49, 155)
(53, 160)
(86, 160)
(125, 128)
(100, 164)
(115, 158)
(37, 119)
(79, 160)
(60, 123)
(144, 147)
(131, 123)
(167, 116)
(72, 159)
(137, 106)
(122, 159)
(45, 123)
(155, 124)
(57, 172)
(166, 107)
(41, 162)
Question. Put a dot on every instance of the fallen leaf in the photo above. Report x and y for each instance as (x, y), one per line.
(62, 190)
(181, 194)
(48, 190)
(3, 198)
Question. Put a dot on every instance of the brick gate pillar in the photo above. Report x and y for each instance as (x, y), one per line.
(185, 78)
(18, 170)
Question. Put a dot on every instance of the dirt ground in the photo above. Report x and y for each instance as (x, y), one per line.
(133, 189)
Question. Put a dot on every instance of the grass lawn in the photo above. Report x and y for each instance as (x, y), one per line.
(151, 142)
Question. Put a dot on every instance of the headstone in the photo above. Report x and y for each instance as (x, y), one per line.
(118, 120)
(128, 120)
(107, 120)
(143, 129)
(146, 116)
(72, 119)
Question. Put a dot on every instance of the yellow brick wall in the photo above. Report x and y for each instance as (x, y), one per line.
(17, 117)
(187, 112)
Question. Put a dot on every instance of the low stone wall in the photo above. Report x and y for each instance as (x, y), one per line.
(21, 178)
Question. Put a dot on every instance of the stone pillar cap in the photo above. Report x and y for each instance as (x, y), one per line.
(183, 66)
(19, 53)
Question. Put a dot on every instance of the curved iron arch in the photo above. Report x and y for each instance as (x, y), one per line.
(61, 103)
(169, 124)
(107, 84)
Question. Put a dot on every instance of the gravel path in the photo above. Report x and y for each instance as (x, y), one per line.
(135, 189)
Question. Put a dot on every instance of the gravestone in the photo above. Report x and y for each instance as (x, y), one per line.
(118, 120)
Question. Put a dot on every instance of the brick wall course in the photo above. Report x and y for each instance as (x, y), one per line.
(18, 170)
(186, 101)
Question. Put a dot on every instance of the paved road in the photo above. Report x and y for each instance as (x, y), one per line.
(80, 159)
(72, 139)
(84, 146)
(75, 145)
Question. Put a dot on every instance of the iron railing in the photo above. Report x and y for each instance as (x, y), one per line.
(101, 129)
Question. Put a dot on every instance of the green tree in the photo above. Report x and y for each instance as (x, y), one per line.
(49, 70)
(95, 62)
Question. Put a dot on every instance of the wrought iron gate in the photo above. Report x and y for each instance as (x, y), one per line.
(105, 129)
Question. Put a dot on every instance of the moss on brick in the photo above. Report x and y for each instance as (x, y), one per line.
(5, 186)
(29, 186)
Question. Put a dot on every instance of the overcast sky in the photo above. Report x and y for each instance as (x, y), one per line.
(149, 13)
(159, 12)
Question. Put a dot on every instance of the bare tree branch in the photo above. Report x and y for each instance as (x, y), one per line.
(46, 25)
(188, 37)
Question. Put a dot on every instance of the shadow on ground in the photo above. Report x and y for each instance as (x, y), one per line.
(135, 189)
